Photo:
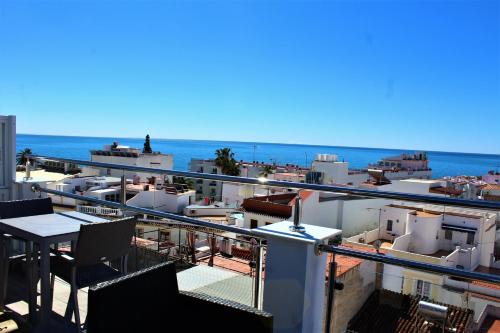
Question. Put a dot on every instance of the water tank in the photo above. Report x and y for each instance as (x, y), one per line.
(432, 312)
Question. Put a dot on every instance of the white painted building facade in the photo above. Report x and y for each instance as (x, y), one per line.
(125, 155)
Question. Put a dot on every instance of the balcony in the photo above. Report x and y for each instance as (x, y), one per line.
(365, 281)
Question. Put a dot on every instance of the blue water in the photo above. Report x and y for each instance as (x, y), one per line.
(442, 163)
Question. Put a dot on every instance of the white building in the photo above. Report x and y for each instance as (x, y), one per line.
(172, 198)
(206, 188)
(214, 190)
(8, 157)
(492, 177)
(125, 155)
(327, 169)
(452, 237)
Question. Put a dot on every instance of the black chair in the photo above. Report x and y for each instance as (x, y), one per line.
(98, 244)
(13, 209)
(150, 301)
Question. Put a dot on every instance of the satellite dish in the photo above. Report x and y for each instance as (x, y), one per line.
(377, 244)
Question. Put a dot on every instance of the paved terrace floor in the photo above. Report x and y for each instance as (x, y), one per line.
(17, 301)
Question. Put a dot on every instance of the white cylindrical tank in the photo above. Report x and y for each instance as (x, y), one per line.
(425, 229)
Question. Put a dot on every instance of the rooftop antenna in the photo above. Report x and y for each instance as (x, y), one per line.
(296, 227)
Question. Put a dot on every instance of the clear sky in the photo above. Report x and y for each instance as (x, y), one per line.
(396, 74)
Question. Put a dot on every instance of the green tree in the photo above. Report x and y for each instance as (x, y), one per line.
(21, 156)
(147, 146)
(265, 171)
(181, 180)
(224, 159)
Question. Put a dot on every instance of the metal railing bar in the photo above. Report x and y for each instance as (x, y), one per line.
(326, 248)
(430, 268)
(148, 211)
(422, 198)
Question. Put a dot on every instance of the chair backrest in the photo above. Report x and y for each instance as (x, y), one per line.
(104, 241)
(150, 301)
(138, 302)
(21, 208)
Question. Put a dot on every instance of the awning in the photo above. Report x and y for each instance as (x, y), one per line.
(459, 229)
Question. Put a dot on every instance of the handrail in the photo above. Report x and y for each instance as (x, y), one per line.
(431, 268)
(141, 210)
(422, 198)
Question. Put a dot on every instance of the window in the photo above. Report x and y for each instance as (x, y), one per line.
(470, 238)
(448, 234)
(214, 170)
(423, 288)
(389, 225)
(164, 236)
(253, 224)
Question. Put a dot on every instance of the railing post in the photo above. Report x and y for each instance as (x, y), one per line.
(294, 282)
(258, 276)
(123, 191)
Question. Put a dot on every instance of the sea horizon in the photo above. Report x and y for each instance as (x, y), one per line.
(262, 142)
(78, 147)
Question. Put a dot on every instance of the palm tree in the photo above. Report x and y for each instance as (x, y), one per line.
(265, 171)
(224, 159)
(22, 156)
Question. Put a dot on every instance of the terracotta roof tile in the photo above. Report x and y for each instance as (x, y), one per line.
(387, 311)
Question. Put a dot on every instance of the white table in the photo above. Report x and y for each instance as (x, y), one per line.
(43, 230)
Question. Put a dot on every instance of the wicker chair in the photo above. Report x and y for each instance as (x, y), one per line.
(98, 243)
(13, 209)
(150, 301)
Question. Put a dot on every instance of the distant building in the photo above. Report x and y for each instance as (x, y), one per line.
(58, 166)
(171, 198)
(213, 190)
(206, 188)
(491, 192)
(327, 169)
(8, 160)
(125, 155)
(492, 178)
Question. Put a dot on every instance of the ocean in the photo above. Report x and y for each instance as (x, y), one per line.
(442, 163)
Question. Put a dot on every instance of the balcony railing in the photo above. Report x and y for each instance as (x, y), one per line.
(335, 251)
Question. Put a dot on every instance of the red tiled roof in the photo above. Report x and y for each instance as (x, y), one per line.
(445, 190)
(233, 264)
(485, 297)
(387, 311)
(303, 195)
(487, 270)
(495, 327)
(346, 263)
(491, 197)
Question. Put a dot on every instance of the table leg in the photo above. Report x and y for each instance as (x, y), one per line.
(31, 268)
(46, 306)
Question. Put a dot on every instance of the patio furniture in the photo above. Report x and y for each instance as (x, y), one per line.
(98, 244)
(145, 301)
(15, 209)
(42, 231)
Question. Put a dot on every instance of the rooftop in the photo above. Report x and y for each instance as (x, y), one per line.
(387, 311)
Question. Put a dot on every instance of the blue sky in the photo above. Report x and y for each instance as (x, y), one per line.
(395, 74)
